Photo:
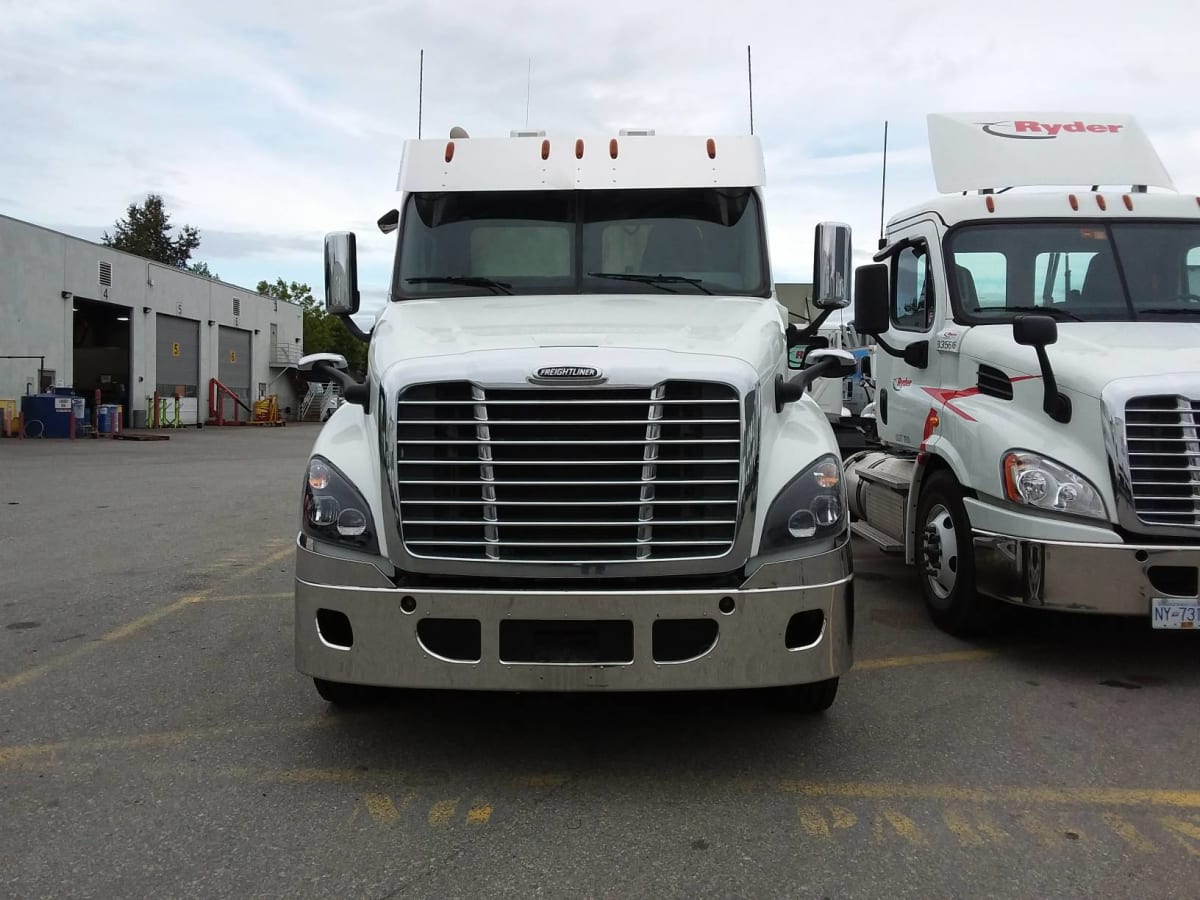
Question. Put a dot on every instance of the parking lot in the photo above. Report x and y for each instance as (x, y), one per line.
(156, 740)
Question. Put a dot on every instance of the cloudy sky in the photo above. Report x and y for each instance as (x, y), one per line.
(267, 124)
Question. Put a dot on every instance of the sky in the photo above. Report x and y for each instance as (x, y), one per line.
(266, 125)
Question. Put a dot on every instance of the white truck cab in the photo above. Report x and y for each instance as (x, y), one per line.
(580, 459)
(1038, 374)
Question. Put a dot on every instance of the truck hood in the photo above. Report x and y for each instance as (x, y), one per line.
(745, 328)
(1089, 355)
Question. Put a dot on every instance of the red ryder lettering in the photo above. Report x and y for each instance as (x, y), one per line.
(1053, 128)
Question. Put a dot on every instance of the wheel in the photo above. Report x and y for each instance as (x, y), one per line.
(947, 559)
(339, 693)
(808, 699)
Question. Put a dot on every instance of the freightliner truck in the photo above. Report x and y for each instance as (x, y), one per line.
(581, 459)
(1037, 361)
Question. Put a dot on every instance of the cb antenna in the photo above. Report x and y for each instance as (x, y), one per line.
(420, 93)
(750, 85)
(883, 188)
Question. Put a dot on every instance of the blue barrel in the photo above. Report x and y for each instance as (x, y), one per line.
(114, 412)
(102, 422)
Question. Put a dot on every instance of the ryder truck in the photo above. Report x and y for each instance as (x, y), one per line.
(1038, 374)
(579, 460)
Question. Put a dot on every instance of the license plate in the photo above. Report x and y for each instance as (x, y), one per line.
(1166, 612)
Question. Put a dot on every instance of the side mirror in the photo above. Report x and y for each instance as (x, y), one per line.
(831, 266)
(871, 313)
(341, 274)
(798, 356)
(1034, 330)
(336, 360)
(1037, 331)
(833, 363)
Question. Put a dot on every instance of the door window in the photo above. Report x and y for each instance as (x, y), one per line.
(912, 297)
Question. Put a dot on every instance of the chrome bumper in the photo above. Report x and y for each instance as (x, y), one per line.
(749, 651)
(1113, 579)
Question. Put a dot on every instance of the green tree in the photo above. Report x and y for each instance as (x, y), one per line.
(146, 231)
(201, 268)
(323, 333)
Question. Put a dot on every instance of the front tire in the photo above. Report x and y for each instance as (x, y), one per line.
(339, 693)
(808, 699)
(946, 555)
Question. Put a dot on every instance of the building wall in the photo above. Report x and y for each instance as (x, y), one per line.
(38, 265)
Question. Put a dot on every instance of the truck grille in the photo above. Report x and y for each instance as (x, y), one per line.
(568, 475)
(1163, 437)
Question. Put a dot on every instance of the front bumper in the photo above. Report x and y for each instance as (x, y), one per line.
(750, 649)
(1114, 579)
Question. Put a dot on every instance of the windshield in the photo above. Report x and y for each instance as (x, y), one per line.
(1086, 271)
(684, 241)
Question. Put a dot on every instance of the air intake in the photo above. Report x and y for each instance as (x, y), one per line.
(994, 383)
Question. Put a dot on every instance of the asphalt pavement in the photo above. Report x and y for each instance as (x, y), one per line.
(156, 740)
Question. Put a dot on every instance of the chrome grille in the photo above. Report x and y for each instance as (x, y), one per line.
(563, 475)
(1162, 434)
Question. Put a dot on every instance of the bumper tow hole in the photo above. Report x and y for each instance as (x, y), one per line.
(804, 629)
(457, 640)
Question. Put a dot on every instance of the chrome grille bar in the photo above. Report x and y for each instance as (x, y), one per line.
(1163, 440)
(569, 475)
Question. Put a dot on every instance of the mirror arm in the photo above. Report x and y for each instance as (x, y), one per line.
(354, 391)
(915, 354)
(790, 391)
(799, 335)
(1055, 404)
(352, 327)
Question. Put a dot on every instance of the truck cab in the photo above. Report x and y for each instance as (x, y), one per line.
(580, 459)
(1038, 380)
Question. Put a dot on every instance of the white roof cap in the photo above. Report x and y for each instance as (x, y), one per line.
(976, 151)
(565, 163)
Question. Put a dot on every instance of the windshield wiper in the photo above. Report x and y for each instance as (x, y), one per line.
(498, 287)
(1168, 311)
(659, 281)
(1052, 311)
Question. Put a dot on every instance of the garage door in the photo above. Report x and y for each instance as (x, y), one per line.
(177, 355)
(233, 366)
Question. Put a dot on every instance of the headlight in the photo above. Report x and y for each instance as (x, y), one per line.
(811, 508)
(1034, 480)
(334, 511)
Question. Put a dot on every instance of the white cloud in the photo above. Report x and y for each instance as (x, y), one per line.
(267, 124)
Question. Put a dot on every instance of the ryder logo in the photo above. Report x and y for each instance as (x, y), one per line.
(1028, 130)
(901, 383)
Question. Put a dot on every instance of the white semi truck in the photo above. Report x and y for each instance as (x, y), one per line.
(581, 459)
(1038, 374)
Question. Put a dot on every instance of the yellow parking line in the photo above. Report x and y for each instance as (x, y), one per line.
(131, 628)
(885, 791)
(33, 753)
(442, 812)
(242, 598)
(895, 662)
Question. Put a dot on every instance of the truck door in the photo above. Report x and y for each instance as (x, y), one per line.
(918, 303)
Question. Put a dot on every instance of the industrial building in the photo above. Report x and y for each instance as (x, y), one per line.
(90, 317)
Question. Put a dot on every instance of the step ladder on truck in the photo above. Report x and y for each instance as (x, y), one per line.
(1038, 383)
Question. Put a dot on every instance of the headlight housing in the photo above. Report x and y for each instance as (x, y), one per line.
(334, 511)
(812, 508)
(1031, 479)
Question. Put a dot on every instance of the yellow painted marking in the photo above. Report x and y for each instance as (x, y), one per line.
(973, 828)
(842, 817)
(1125, 830)
(242, 598)
(130, 628)
(479, 814)
(896, 662)
(813, 822)
(331, 776)
(1186, 833)
(1012, 795)
(442, 812)
(381, 808)
(901, 825)
(32, 753)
